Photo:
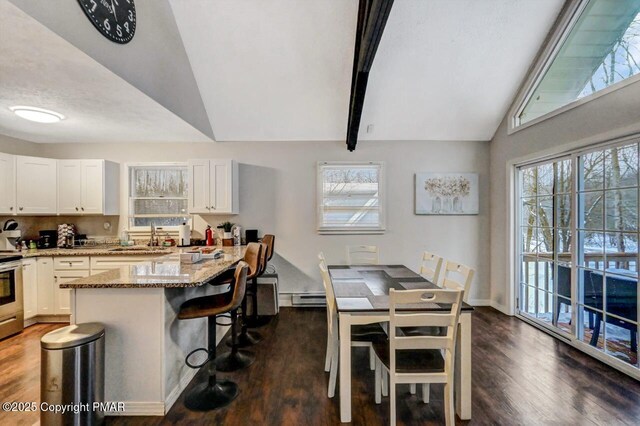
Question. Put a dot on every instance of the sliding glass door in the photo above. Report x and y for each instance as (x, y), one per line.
(578, 249)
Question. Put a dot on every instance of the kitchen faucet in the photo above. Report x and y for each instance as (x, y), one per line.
(152, 240)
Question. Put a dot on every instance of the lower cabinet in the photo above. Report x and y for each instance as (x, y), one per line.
(42, 277)
(30, 288)
(45, 285)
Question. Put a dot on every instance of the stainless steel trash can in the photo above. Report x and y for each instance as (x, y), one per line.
(72, 375)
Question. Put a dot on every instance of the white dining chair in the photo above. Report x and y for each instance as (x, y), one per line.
(458, 276)
(361, 336)
(419, 359)
(431, 266)
(362, 255)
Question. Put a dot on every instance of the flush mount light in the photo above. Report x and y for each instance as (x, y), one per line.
(39, 115)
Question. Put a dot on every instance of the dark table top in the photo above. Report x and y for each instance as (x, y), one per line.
(365, 288)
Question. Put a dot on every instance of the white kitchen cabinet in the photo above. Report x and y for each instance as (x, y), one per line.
(30, 288)
(45, 286)
(213, 187)
(62, 296)
(88, 187)
(7, 184)
(36, 185)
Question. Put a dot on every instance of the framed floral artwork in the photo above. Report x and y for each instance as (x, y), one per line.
(446, 193)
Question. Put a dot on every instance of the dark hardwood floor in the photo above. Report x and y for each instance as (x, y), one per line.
(521, 376)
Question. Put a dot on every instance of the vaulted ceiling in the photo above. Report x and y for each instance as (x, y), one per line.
(281, 69)
(268, 70)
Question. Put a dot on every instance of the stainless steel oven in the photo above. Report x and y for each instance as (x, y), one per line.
(11, 307)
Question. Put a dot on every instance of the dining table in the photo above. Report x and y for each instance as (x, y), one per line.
(362, 297)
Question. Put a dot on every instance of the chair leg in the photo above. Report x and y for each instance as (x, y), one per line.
(327, 357)
(392, 403)
(634, 341)
(412, 388)
(596, 331)
(372, 359)
(449, 411)
(333, 372)
(425, 393)
(385, 382)
(378, 382)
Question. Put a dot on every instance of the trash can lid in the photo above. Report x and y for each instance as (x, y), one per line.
(73, 335)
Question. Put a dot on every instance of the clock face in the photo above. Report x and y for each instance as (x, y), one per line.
(115, 19)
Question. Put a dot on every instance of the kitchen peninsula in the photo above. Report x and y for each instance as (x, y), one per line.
(145, 343)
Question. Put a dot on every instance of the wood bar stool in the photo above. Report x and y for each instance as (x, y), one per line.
(256, 320)
(212, 393)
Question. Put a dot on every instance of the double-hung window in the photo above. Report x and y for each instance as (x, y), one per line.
(158, 195)
(351, 197)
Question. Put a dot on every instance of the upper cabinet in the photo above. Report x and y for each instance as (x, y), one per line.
(7, 184)
(213, 187)
(88, 187)
(36, 185)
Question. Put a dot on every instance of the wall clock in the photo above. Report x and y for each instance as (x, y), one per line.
(115, 19)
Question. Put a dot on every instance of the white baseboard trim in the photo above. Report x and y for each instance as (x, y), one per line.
(480, 302)
(139, 409)
(284, 300)
(175, 393)
(29, 322)
(51, 318)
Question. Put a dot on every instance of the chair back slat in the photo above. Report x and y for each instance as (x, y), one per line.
(322, 259)
(431, 267)
(422, 342)
(458, 276)
(417, 320)
(362, 255)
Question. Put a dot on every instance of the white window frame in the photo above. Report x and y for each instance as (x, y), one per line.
(325, 230)
(146, 229)
(565, 24)
(514, 242)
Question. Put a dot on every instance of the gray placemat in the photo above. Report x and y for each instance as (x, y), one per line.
(351, 289)
(401, 273)
(345, 274)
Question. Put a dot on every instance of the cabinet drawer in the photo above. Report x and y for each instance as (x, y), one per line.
(71, 263)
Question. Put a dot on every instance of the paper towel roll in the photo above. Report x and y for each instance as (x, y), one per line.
(184, 235)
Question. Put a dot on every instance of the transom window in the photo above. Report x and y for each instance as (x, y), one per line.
(599, 48)
(350, 197)
(158, 195)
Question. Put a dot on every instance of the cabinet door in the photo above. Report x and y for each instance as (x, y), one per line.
(45, 285)
(92, 186)
(62, 296)
(7, 184)
(199, 183)
(221, 186)
(30, 288)
(36, 185)
(69, 186)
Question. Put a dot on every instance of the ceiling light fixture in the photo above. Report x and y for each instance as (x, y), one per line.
(39, 115)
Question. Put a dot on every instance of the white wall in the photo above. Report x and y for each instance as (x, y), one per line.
(613, 115)
(277, 195)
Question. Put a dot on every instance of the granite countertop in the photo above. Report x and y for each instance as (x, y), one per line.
(100, 251)
(162, 272)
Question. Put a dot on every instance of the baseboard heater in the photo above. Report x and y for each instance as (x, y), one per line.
(308, 299)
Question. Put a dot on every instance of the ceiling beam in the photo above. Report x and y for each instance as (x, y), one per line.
(372, 18)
